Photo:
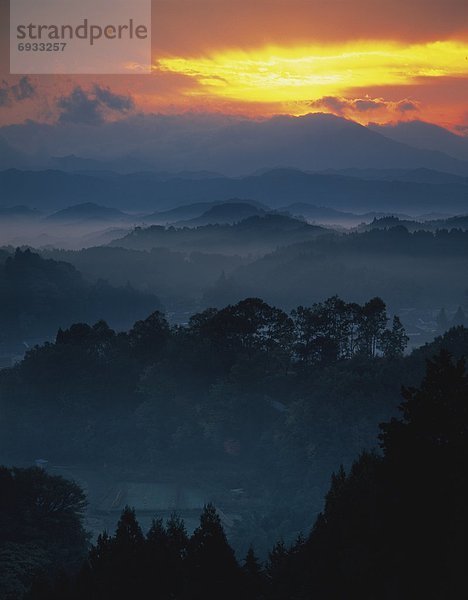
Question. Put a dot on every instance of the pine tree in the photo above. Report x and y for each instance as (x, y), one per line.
(252, 566)
(394, 341)
(177, 536)
(254, 576)
(177, 548)
(127, 556)
(277, 570)
(213, 569)
(98, 570)
(426, 456)
(128, 535)
(157, 538)
(160, 570)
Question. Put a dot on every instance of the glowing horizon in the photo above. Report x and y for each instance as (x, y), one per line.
(275, 75)
(369, 61)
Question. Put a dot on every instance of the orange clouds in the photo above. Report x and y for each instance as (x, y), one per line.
(335, 78)
(368, 60)
(195, 27)
(370, 107)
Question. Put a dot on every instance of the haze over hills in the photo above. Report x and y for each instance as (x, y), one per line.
(39, 296)
(14, 213)
(234, 303)
(227, 212)
(11, 158)
(279, 187)
(72, 227)
(422, 269)
(186, 213)
(459, 222)
(421, 175)
(427, 136)
(229, 145)
(125, 165)
(330, 216)
(254, 235)
(334, 163)
(88, 211)
(289, 263)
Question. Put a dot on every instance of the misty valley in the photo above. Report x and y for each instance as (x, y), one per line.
(226, 379)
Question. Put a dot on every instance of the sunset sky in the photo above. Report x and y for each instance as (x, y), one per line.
(369, 60)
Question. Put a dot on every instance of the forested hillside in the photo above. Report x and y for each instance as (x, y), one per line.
(394, 521)
(244, 397)
(38, 296)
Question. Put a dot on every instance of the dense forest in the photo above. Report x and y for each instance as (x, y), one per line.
(217, 265)
(246, 397)
(147, 376)
(184, 391)
(393, 525)
(186, 371)
(418, 274)
(38, 296)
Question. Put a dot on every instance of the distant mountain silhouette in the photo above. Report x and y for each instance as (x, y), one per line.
(320, 213)
(459, 222)
(18, 212)
(320, 141)
(187, 212)
(426, 136)
(125, 165)
(257, 234)
(276, 188)
(55, 294)
(12, 158)
(88, 211)
(228, 212)
(420, 175)
(233, 146)
(330, 216)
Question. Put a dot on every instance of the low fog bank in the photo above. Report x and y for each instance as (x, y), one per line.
(418, 267)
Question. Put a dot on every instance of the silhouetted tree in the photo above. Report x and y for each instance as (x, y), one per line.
(373, 321)
(393, 342)
(212, 568)
(148, 338)
(41, 527)
(396, 523)
(254, 577)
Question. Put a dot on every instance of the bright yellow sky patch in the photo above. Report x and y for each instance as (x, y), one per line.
(298, 74)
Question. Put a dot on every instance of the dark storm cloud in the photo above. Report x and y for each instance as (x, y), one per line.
(407, 106)
(10, 93)
(113, 101)
(89, 107)
(368, 104)
(78, 107)
(347, 106)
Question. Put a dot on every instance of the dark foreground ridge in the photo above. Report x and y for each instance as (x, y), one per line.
(392, 527)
